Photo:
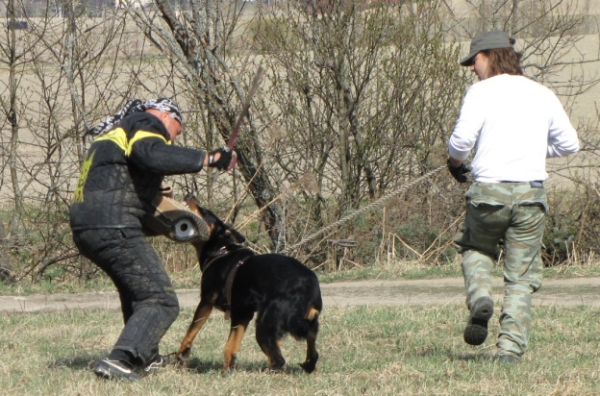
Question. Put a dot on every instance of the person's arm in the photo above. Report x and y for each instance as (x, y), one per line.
(467, 127)
(155, 154)
(152, 153)
(454, 162)
(464, 136)
(149, 149)
(562, 137)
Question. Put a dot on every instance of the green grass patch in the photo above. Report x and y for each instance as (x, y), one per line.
(414, 350)
(415, 270)
(399, 270)
(184, 279)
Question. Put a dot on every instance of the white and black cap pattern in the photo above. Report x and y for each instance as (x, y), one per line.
(135, 106)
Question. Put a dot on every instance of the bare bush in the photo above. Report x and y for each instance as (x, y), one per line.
(62, 76)
(357, 99)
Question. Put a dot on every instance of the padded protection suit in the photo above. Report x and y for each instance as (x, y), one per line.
(122, 173)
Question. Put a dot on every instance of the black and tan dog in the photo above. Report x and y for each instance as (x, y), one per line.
(283, 292)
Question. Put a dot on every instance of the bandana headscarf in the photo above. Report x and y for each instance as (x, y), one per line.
(136, 106)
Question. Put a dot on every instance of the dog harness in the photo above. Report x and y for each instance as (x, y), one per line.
(230, 277)
(215, 256)
(229, 284)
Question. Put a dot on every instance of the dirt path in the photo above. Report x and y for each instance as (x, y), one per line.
(565, 292)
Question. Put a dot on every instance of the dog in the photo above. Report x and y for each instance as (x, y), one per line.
(283, 292)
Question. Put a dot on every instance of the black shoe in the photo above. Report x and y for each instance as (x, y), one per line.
(114, 369)
(155, 365)
(476, 331)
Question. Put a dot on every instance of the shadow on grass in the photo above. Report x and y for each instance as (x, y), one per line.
(85, 362)
(195, 365)
(476, 357)
(201, 367)
(452, 354)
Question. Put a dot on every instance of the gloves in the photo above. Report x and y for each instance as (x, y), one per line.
(223, 161)
(459, 173)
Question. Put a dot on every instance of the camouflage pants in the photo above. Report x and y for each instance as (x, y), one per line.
(516, 214)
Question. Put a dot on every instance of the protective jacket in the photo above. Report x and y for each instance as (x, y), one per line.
(123, 172)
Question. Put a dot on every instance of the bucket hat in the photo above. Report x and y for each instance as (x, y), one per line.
(485, 41)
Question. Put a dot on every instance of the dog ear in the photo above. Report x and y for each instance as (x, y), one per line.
(190, 201)
(235, 234)
(206, 215)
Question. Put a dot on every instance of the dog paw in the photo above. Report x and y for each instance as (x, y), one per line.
(308, 367)
(181, 360)
(226, 371)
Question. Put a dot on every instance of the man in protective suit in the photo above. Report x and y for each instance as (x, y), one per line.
(120, 177)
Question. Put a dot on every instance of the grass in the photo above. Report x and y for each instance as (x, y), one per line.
(364, 351)
(415, 270)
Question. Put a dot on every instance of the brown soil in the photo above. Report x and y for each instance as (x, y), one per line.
(562, 292)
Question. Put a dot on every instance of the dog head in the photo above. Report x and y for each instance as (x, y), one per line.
(221, 233)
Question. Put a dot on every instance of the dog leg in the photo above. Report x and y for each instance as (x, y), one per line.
(269, 331)
(236, 333)
(311, 351)
(203, 311)
(271, 348)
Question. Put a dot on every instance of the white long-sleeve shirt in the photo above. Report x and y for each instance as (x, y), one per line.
(516, 123)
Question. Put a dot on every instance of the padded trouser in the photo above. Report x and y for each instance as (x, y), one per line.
(516, 213)
(148, 301)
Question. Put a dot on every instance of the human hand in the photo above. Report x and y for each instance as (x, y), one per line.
(458, 172)
(220, 158)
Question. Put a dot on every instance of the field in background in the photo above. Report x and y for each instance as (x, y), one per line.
(418, 225)
(582, 108)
